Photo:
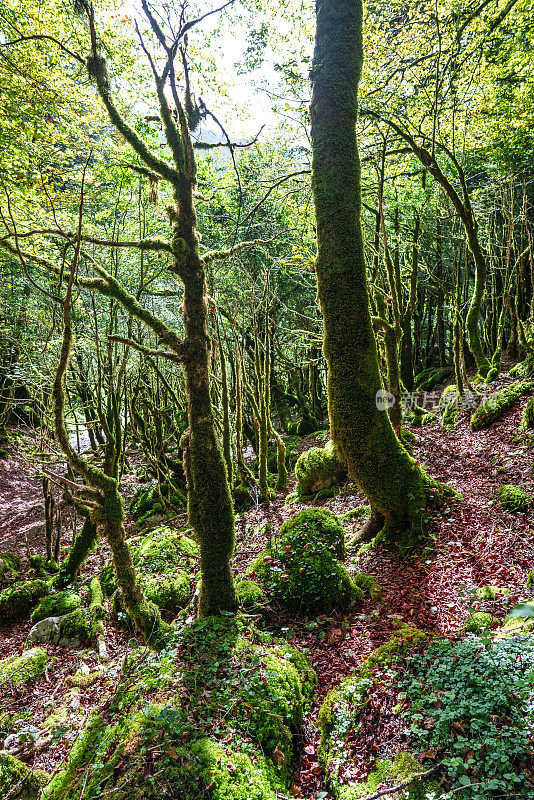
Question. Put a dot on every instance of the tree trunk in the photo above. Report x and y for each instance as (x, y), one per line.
(376, 460)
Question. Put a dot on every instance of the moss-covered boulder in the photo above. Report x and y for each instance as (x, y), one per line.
(249, 593)
(18, 600)
(498, 404)
(339, 718)
(512, 499)
(71, 630)
(9, 565)
(303, 567)
(213, 715)
(479, 621)
(527, 418)
(56, 605)
(16, 670)
(166, 560)
(154, 499)
(318, 470)
(18, 781)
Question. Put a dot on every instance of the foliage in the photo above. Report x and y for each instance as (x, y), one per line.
(471, 700)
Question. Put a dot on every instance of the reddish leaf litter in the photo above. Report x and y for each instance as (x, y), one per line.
(475, 544)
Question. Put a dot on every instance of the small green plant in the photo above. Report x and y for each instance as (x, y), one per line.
(472, 701)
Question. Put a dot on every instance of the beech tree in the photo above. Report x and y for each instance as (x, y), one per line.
(393, 482)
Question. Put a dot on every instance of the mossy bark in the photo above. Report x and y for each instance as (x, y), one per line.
(389, 477)
(84, 543)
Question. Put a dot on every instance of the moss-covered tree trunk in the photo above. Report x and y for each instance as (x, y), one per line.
(389, 477)
(209, 499)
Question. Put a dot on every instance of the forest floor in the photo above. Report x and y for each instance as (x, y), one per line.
(475, 543)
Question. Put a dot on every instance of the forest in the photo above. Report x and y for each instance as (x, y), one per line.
(266, 400)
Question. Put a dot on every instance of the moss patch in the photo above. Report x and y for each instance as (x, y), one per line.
(303, 568)
(56, 605)
(164, 559)
(249, 593)
(513, 499)
(9, 565)
(19, 669)
(17, 601)
(498, 404)
(219, 707)
(318, 470)
(13, 772)
(478, 622)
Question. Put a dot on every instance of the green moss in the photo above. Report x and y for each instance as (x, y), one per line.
(360, 512)
(492, 592)
(530, 580)
(9, 565)
(368, 584)
(249, 594)
(76, 628)
(403, 767)
(478, 622)
(234, 775)
(14, 773)
(19, 669)
(513, 499)
(498, 404)
(398, 645)
(428, 379)
(520, 370)
(319, 469)
(164, 559)
(56, 605)
(527, 419)
(17, 601)
(236, 679)
(302, 569)
(492, 375)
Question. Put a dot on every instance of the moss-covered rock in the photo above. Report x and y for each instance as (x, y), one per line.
(9, 565)
(428, 379)
(17, 601)
(368, 584)
(512, 499)
(76, 628)
(498, 404)
(164, 559)
(56, 605)
(18, 781)
(303, 569)
(479, 621)
(530, 580)
(492, 592)
(220, 720)
(318, 470)
(249, 593)
(152, 500)
(527, 418)
(339, 721)
(19, 669)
